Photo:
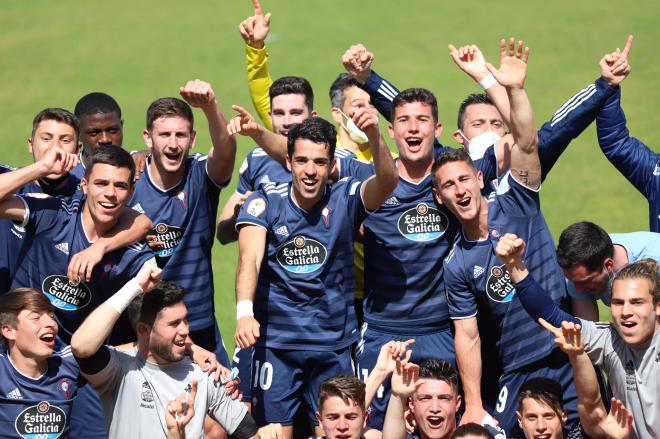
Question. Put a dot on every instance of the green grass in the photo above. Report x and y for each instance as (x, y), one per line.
(54, 52)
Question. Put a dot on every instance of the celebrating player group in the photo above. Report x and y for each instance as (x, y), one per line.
(396, 290)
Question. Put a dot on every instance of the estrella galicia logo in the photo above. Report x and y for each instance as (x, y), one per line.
(64, 294)
(499, 286)
(168, 237)
(302, 255)
(41, 421)
(423, 223)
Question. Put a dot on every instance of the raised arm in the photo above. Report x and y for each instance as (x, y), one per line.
(55, 161)
(244, 124)
(525, 164)
(251, 249)
(389, 353)
(254, 31)
(377, 188)
(226, 225)
(92, 333)
(220, 161)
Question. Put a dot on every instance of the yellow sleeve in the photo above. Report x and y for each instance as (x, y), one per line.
(259, 82)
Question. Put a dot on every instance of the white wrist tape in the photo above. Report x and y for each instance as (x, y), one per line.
(121, 299)
(244, 308)
(487, 82)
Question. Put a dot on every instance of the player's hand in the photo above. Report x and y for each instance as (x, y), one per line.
(367, 120)
(390, 352)
(614, 67)
(410, 422)
(198, 94)
(513, 64)
(357, 61)
(469, 59)
(140, 160)
(254, 29)
(152, 243)
(244, 123)
(148, 277)
(57, 161)
(180, 411)
(510, 249)
(405, 379)
(206, 360)
(247, 332)
(568, 337)
(82, 263)
(618, 422)
(476, 415)
(241, 201)
(270, 431)
(231, 380)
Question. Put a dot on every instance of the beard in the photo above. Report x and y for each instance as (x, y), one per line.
(164, 352)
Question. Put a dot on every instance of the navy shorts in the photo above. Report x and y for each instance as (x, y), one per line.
(437, 343)
(282, 378)
(242, 360)
(555, 366)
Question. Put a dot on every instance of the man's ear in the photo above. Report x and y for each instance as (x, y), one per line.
(336, 115)
(30, 145)
(8, 332)
(193, 137)
(390, 131)
(480, 179)
(143, 329)
(318, 416)
(436, 195)
(609, 264)
(519, 417)
(438, 130)
(458, 137)
(83, 185)
(146, 135)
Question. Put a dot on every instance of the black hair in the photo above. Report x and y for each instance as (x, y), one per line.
(292, 85)
(112, 155)
(412, 95)
(146, 306)
(59, 115)
(317, 130)
(584, 243)
(95, 103)
(472, 99)
(343, 81)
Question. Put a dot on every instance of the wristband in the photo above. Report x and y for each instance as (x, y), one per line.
(122, 298)
(244, 308)
(488, 81)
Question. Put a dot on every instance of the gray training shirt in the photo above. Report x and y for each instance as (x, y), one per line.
(135, 394)
(634, 374)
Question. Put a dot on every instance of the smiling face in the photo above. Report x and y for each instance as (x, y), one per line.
(108, 189)
(434, 406)
(170, 139)
(168, 334)
(458, 186)
(287, 110)
(633, 313)
(310, 167)
(33, 335)
(539, 421)
(414, 129)
(341, 420)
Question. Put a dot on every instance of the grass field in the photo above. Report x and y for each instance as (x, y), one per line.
(54, 52)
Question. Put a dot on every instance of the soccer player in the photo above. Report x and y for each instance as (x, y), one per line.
(180, 193)
(136, 385)
(295, 265)
(37, 385)
(634, 160)
(626, 349)
(342, 410)
(541, 413)
(477, 282)
(591, 258)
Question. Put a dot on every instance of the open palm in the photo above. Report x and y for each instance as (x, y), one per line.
(513, 64)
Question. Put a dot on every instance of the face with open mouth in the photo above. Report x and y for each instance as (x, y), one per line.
(34, 334)
(434, 405)
(341, 420)
(458, 186)
(169, 140)
(414, 130)
(633, 313)
(167, 338)
(108, 189)
(310, 167)
(539, 420)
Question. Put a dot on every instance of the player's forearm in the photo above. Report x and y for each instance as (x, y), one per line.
(394, 426)
(387, 176)
(247, 273)
(374, 381)
(131, 227)
(275, 145)
(223, 154)
(226, 230)
(538, 304)
(591, 409)
(468, 360)
(522, 120)
(497, 93)
(92, 333)
(10, 182)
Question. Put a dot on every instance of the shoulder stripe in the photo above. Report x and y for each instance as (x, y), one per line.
(573, 103)
(200, 157)
(342, 152)
(258, 152)
(387, 90)
(354, 187)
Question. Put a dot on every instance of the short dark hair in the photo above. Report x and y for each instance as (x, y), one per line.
(146, 306)
(648, 269)
(347, 387)
(95, 103)
(59, 115)
(317, 130)
(454, 155)
(19, 299)
(292, 85)
(472, 99)
(441, 370)
(343, 81)
(112, 155)
(169, 107)
(545, 390)
(584, 243)
(471, 429)
(411, 95)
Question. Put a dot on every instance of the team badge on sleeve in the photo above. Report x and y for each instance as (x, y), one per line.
(256, 207)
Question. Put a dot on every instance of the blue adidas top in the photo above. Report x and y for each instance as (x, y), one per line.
(305, 292)
(477, 281)
(183, 219)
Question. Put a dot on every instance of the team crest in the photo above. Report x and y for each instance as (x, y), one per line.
(325, 212)
(494, 233)
(302, 255)
(423, 223)
(256, 207)
(41, 421)
(498, 285)
(65, 386)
